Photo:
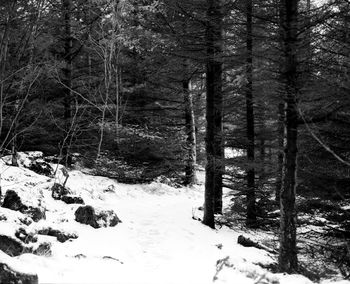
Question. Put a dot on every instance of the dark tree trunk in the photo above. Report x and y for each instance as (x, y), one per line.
(219, 170)
(288, 261)
(14, 160)
(190, 170)
(67, 77)
(262, 160)
(213, 113)
(251, 212)
(280, 133)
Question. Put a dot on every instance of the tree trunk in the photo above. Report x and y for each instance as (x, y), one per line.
(219, 170)
(14, 160)
(67, 77)
(262, 161)
(251, 210)
(4, 45)
(288, 261)
(118, 73)
(213, 111)
(280, 133)
(190, 170)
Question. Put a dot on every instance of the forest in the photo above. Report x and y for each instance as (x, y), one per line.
(174, 141)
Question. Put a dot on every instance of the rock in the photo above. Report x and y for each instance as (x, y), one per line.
(41, 167)
(72, 199)
(110, 188)
(96, 219)
(25, 237)
(44, 249)
(36, 213)
(11, 246)
(86, 215)
(10, 276)
(61, 236)
(13, 201)
(79, 256)
(25, 221)
(107, 218)
(58, 191)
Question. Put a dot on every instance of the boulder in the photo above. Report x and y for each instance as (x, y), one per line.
(58, 191)
(41, 167)
(96, 218)
(11, 246)
(13, 202)
(10, 276)
(25, 237)
(70, 199)
(107, 218)
(61, 236)
(86, 215)
(43, 249)
(36, 213)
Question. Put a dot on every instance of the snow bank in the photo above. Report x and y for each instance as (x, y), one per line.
(158, 241)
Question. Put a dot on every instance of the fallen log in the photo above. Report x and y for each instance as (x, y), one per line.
(246, 242)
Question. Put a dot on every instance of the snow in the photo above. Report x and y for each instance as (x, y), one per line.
(15, 264)
(157, 241)
(347, 207)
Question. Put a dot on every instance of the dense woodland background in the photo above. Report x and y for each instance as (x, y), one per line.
(138, 90)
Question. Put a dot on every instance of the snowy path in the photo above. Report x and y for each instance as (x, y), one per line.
(158, 241)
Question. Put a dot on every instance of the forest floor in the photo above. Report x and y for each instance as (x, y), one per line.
(158, 241)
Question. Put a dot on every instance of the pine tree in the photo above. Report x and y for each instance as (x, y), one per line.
(213, 111)
(288, 261)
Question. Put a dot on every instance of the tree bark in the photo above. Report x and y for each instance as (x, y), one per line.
(280, 133)
(213, 112)
(67, 76)
(190, 169)
(288, 261)
(251, 210)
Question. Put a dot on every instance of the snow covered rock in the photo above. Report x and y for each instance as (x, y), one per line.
(43, 249)
(11, 246)
(61, 236)
(96, 218)
(58, 191)
(36, 213)
(10, 276)
(12, 201)
(33, 161)
(41, 167)
(25, 237)
(12, 272)
(24, 159)
(14, 217)
(72, 199)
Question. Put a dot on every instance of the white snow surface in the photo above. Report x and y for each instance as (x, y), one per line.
(157, 242)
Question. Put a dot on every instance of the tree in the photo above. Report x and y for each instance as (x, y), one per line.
(67, 7)
(190, 170)
(251, 212)
(213, 111)
(287, 260)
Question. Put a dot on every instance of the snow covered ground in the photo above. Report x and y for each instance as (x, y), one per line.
(158, 241)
